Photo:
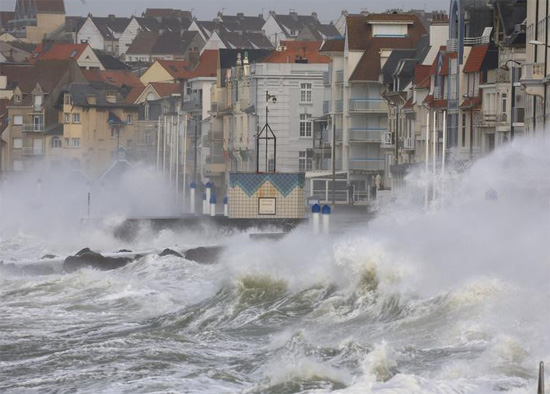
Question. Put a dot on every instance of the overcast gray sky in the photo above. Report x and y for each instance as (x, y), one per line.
(207, 9)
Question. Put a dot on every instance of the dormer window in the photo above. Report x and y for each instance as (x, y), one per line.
(38, 99)
(73, 53)
(67, 99)
(17, 98)
(390, 29)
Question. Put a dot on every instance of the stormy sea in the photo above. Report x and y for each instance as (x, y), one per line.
(449, 298)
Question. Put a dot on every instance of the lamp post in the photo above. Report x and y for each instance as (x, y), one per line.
(546, 46)
(513, 93)
(267, 137)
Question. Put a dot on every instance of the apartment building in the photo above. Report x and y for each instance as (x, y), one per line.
(354, 102)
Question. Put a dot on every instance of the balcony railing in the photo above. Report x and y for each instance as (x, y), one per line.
(408, 144)
(473, 41)
(366, 135)
(368, 105)
(489, 119)
(339, 76)
(33, 151)
(192, 105)
(33, 128)
(452, 45)
(367, 164)
(532, 72)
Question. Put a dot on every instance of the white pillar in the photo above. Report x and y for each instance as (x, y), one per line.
(326, 219)
(427, 142)
(315, 219)
(434, 146)
(226, 207)
(443, 153)
(208, 195)
(204, 204)
(192, 192)
(213, 205)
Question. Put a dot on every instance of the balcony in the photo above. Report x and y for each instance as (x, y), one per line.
(473, 41)
(192, 105)
(489, 119)
(366, 134)
(408, 144)
(368, 105)
(326, 107)
(33, 128)
(36, 151)
(452, 45)
(340, 76)
(387, 140)
(367, 164)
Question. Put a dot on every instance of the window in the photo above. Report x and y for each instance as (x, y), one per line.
(17, 143)
(304, 162)
(128, 119)
(305, 125)
(292, 32)
(75, 142)
(67, 99)
(17, 98)
(66, 142)
(18, 120)
(67, 118)
(504, 98)
(76, 118)
(305, 93)
(56, 142)
(146, 111)
(463, 130)
(38, 101)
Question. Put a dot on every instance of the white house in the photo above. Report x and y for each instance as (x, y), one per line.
(103, 33)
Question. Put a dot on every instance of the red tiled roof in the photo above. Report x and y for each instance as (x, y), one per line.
(425, 83)
(166, 89)
(475, 58)
(446, 61)
(336, 45)
(178, 69)
(294, 50)
(208, 64)
(57, 52)
(113, 77)
(134, 94)
(6, 16)
(472, 102)
(408, 104)
(421, 72)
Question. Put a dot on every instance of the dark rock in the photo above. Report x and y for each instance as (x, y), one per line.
(169, 252)
(48, 256)
(204, 255)
(124, 251)
(85, 250)
(93, 260)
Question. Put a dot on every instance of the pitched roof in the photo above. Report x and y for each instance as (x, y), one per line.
(475, 58)
(421, 72)
(81, 91)
(228, 57)
(445, 66)
(167, 13)
(294, 51)
(13, 54)
(143, 43)
(208, 64)
(6, 16)
(241, 22)
(174, 42)
(166, 89)
(393, 62)
(107, 25)
(333, 45)
(134, 94)
(47, 73)
(111, 63)
(149, 24)
(50, 6)
(49, 51)
(360, 38)
(113, 77)
(178, 69)
(293, 21)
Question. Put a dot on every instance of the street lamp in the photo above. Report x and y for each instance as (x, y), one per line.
(267, 136)
(505, 65)
(513, 91)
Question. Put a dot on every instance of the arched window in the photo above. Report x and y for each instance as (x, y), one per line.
(57, 143)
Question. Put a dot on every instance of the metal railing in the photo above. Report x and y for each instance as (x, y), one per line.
(365, 135)
(368, 105)
(452, 45)
(408, 143)
(33, 128)
(532, 71)
(473, 41)
(367, 164)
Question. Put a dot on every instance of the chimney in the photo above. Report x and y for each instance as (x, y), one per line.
(240, 16)
(293, 15)
(111, 17)
(314, 15)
